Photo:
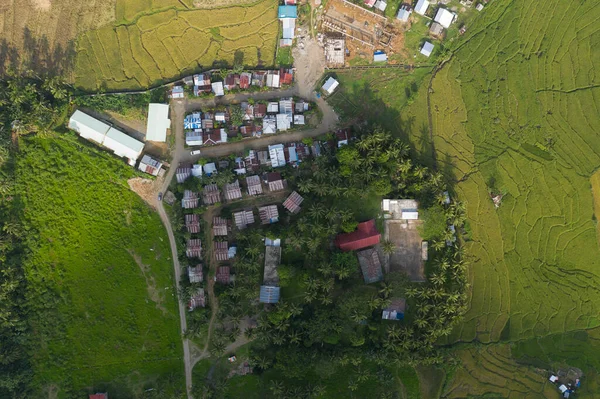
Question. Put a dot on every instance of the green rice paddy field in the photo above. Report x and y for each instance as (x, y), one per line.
(152, 43)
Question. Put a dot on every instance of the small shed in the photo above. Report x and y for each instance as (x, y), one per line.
(427, 49)
(380, 56)
(436, 29)
(395, 311)
(330, 85)
(421, 7)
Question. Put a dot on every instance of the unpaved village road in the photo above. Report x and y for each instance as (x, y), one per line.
(309, 65)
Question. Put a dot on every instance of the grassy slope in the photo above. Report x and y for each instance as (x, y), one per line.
(107, 327)
(512, 111)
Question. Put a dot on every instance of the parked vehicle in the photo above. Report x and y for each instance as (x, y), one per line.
(195, 152)
(160, 196)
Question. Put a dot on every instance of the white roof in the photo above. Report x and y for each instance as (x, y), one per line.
(410, 215)
(427, 49)
(277, 155)
(298, 119)
(217, 88)
(88, 127)
(381, 57)
(123, 145)
(330, 85)
(444, 17)
(403, 14)
(421, 7)
(196, 170)
(562, 388)
(273, 107)
(223, 136)
(289, 28)
(284, 121)
(158, 122)
(381, 5)
(209, 168)
(269, 125)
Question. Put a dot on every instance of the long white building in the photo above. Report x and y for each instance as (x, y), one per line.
(99, 132)
(158, 122)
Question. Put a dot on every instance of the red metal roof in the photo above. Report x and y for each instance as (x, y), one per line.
(366, 235)
(99, 396)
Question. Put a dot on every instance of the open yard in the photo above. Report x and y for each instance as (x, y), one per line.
(171, 42)
(102, 304)
(407, 255)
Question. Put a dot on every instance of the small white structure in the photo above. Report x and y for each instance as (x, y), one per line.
(427, 49)
(210, 168)
(269, 124)
(479, 7)
(404, 13)
(330, 85)
(196, 170)
(177, 92)
(277, 155)
(401, 209)
(421, 7)
(563, 388)
(444, 17)
(284, 122)
(298, 119)
(380, 56)
(273, 107)
(381, 5)
(150, 165)
(217, 88)
(553, 378)
(158, 122)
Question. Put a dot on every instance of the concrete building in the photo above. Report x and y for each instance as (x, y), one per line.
(421, 7)
(444, 17)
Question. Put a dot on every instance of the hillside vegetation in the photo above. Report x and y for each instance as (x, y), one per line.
(515, 112)
(167, 43)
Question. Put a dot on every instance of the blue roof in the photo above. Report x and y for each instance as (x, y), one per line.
(287, 12)
(269, 294)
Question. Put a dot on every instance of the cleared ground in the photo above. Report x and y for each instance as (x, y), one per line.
(407, 255)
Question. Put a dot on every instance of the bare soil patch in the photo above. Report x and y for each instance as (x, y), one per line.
(407, 255)
(147, 189)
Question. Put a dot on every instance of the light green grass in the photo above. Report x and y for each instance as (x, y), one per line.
(115, 325)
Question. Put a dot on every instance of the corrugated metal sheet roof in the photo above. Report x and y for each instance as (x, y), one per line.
(269, 294)
(158, 122)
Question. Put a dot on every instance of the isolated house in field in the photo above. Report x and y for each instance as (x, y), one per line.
(182, 173)
(395, 311)
(190, 200)
(194, 248)
(232, 191)
(211, 194)
(220, 226)
(197, 170)
(444, 17)
(365, 235)
(254, 185)
(404, 13)
(217, 88)
(277, 155)
(158, 122)
(221, 251)
(197, 300)
(243, 219)
(292, 203)
(177, 92)
(370, 265)
(150, 165)
(421, 7)
(195, 274)
(223, 275)
(275, 182)
(268, 214)
(118, 142)
(427, 49)
(330, 85)
(192, 223)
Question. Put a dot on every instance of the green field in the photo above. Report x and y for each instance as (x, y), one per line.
(99, 276)
(147, 48)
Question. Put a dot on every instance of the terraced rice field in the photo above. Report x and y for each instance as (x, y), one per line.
(516, 111)
(167, 44)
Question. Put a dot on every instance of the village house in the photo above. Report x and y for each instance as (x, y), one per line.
(287, 14)
(208, 123)
(277, 155)
(444, 17)
(247, 110)
(194, 138)
(427, 49)
(192, 121)
(194, 248)
(291, 155)
(259, 78)
(223, 275)
(197, 300)
(263, 158)
(268, 214)
(232, 191)
(298, 119)
(188, 80)
(404, 13)
(269, 124)
(202, 80)
(284, 122)
(220, 249)
(370, 3)
(330, 85)
(260, 110)
(150, 165)
(250, 130)
(211, 194)
(400, 209)
(210, 168)
(195, 274)
(370, 265)
(286, 77)
(230, 82)
(254, 185)
(395, 311)
(301, 106)
(245, 80)
(221, 117)
(380, 56)
(239, 166)
(342, 137)
(192, 223)
(366, 235)
(292, 203)
(220, 226)
(177, 92)
(214, 136)
(190, 200)
(421, 7)
(269, 290)
(273, 79)
(436, 30)
(275, 182)
(217, 88)
(243, 219)
(381, 5)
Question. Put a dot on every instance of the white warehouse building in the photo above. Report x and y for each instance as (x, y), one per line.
(99, 132)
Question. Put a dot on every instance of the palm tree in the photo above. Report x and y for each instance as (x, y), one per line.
(357, 317)
(386, 289)
(388, 247)
(276, 388)
(438, 279)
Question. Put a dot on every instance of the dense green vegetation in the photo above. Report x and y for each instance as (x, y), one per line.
(88, 298)
(132, 106)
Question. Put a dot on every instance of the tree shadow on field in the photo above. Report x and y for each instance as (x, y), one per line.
(37, 55)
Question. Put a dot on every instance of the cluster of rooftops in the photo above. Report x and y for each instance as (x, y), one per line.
(205, 83)
(209, 128)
